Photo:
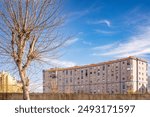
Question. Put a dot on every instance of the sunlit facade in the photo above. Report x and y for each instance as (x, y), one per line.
(8, 84)
(121, 76)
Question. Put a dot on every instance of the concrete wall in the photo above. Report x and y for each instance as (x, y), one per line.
(40, 96)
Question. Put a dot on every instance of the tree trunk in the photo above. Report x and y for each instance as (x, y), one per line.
(26, 94)
(25, 85)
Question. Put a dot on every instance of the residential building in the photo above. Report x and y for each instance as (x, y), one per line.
(9, 84)
(121, 76)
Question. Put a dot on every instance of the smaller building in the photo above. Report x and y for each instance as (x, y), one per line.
(9, 84)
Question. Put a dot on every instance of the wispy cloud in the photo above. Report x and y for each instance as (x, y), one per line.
(71, 41)
(81, 13)
(136, 45)
(135, 18)
(78, 14)
(87, 43)
(59, 63)
(104, 21)
(103, 31)
(104, 47)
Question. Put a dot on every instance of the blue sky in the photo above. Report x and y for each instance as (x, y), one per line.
(105, 30)
(102, 30)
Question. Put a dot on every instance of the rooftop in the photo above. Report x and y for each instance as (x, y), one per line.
(93, 65)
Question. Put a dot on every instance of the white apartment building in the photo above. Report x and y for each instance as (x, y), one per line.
(121, 76)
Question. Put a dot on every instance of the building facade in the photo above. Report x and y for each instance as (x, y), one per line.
(9, 84)
(121, 76)
(148, 86)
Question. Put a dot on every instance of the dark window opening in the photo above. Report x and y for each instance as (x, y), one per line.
(70, 72)
(67, 72)
(123, 86)
(128, 63)
(103, 67)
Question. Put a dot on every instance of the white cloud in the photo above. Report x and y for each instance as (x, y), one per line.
(71, 41)
(103, 31)
(103, 47)
(104, 21)
(137, 45)
(59, 63)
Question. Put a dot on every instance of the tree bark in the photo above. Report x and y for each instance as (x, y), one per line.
(25, 85)
(26, 94)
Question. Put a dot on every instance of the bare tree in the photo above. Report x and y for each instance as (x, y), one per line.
(28, 31)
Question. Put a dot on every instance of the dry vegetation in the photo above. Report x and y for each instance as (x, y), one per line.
(40, 96)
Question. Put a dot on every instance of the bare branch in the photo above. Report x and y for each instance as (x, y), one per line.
(31, 32)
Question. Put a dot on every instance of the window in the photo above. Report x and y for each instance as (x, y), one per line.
(139, 78)
(70, 72)
(90, 72)
(108, 65)
(123, 62)
(128, 63)
(123, 78)
(139, 83)
(139, 72)
(66, 72)
(86, 73)
(146, 66)
(53, 76)
(116, 77)
(103, 67)
(123, 86)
